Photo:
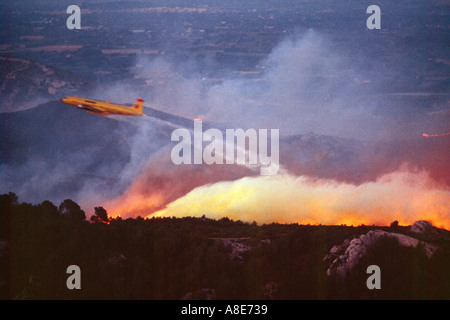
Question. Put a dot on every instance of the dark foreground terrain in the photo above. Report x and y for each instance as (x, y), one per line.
(200, 258)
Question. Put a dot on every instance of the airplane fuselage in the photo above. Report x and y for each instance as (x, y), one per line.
(105, 108)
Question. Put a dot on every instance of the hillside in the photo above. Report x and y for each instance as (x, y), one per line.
(25, 83)
(200, 258)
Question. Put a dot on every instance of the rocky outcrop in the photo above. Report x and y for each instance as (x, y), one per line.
(238, 247)
(344, 257)
(428, 232)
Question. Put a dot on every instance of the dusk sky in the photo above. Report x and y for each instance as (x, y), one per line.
(362, 114)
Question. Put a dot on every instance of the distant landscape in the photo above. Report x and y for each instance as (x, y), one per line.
(364, 142)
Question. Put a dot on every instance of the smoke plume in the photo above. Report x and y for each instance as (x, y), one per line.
(350, 153)
(401, 196)
(365, 174)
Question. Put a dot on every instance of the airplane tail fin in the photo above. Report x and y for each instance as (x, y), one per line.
(139, 105)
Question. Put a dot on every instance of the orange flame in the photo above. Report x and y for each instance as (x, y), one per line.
(426, 135)
(402, 196)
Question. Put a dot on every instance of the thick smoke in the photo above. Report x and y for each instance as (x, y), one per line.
(338, 128)
(372, 162)
(304, 85)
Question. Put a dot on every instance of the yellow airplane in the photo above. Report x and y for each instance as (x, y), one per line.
(105, 108)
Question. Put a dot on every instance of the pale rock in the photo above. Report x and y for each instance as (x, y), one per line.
(345, 257)
(428, 232)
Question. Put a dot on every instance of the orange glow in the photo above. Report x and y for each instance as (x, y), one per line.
(284, 198)
(426, 135)
(133, 205)
(401, 196)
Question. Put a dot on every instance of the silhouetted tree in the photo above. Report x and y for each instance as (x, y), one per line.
(5, 203)
(100, 215)
(48, 209)
(5, 214)
(14, 197)
(71, 209)
(394, 224)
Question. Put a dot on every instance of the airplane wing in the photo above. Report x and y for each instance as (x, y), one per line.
(89, 108)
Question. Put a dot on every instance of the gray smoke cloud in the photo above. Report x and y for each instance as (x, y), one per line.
(304, 85)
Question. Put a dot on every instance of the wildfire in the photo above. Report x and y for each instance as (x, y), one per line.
(405, 197)
(133, 205)
(426, 135)
(401, 196)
